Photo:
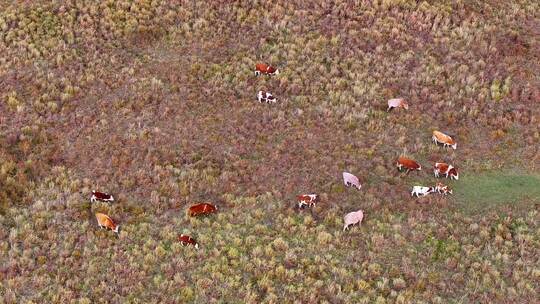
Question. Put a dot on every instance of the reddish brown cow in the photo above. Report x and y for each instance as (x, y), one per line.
(307, 200)
(187, 240)
(263, 68)
(201, 209)
(407, 163)
(446, 169)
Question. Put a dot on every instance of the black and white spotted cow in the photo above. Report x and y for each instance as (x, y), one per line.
(267, 97)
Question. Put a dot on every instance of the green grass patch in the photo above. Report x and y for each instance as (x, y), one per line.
(486, 191)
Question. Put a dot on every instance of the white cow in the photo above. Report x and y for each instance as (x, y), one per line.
(266, 97)
(397, 103)
(351, 180)
(353, 218)
(420, 190)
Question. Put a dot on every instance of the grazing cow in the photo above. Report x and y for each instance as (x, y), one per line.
(187, 240)
(407, 163)
(106, 222)
(351, 180)
(307, 200)
(397, 103)
(419, 190)
(443, 189)
(201, 209)
(446, 169)
(353, 218)
(101, 196)
(267, 97)
(445, 140)
(262, 68)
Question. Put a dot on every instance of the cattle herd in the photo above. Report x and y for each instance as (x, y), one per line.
(309, 200)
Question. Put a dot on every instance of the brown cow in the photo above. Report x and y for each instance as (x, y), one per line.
(106, 222)
(307, 200)
(187, 240)
(201, 209)
(446, 169)
(263, 68)
(440, 137)
(407, 163)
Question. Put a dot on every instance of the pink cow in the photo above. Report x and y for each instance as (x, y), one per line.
(351, 180)
(352, 218)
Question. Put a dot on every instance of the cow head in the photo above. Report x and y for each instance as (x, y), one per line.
(277, 72)
(454, 146)
(405, 105)
(453, 173)
(270, 97)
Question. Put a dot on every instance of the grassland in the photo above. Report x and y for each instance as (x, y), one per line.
(490, 190)
(154, 102)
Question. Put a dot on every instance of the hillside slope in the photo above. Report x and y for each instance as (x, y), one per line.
(155, 102)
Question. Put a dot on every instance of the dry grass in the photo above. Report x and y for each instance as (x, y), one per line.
(154, 102)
